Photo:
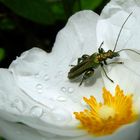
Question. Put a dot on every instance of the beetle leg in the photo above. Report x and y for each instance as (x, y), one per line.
(86, 75)
(81, 59)
(85, 56)
(105, 62)
(115, 63)
(72, 65)
(106, 73)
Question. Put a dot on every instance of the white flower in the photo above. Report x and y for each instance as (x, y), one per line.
(35, 89)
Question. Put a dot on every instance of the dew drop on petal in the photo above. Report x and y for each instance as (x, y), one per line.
(36, 111)
(46, 77)
(63, 89)
(61, 99)
(39, 88)
(37, 75)
(70, 90)
(19, 105)
(44, 116)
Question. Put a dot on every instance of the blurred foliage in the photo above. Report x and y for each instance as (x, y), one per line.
(2, 138)
(42, 11)
(2, 54)
(88, 4)
(7, 24)
(48, 11)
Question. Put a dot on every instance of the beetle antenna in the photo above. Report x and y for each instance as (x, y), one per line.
(128, 50)
(101, 45)
(121, 31)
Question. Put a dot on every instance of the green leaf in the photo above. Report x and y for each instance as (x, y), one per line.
(87, 4)
(2, 54)
(41, 11)
(7, 24)
(2, 138)
(90, 4)
(68, 6)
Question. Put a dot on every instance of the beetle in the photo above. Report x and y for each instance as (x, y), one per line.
(87, 64)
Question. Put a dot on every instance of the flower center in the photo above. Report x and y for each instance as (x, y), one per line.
(105, 118)
(105, 112)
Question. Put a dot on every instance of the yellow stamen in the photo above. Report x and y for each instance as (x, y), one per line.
(105, 118)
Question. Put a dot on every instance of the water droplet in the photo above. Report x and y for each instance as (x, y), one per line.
(39, 86)
(61, 115)
(61, 99)
(37, 75)
(36, 111)
(19, 105)
(46, 77)
(63, 89)
(39, 90)
(70, 90)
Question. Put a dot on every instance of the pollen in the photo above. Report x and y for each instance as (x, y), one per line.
(107, 117)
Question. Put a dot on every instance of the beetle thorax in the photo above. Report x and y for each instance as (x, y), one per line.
(105, 55)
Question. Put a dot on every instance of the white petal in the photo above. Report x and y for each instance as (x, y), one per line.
(108, 30)
(30, 62)
(126, 75)
(114, 15)
(14, 131)
(77, 37)
(9, 96)
(17, 106)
